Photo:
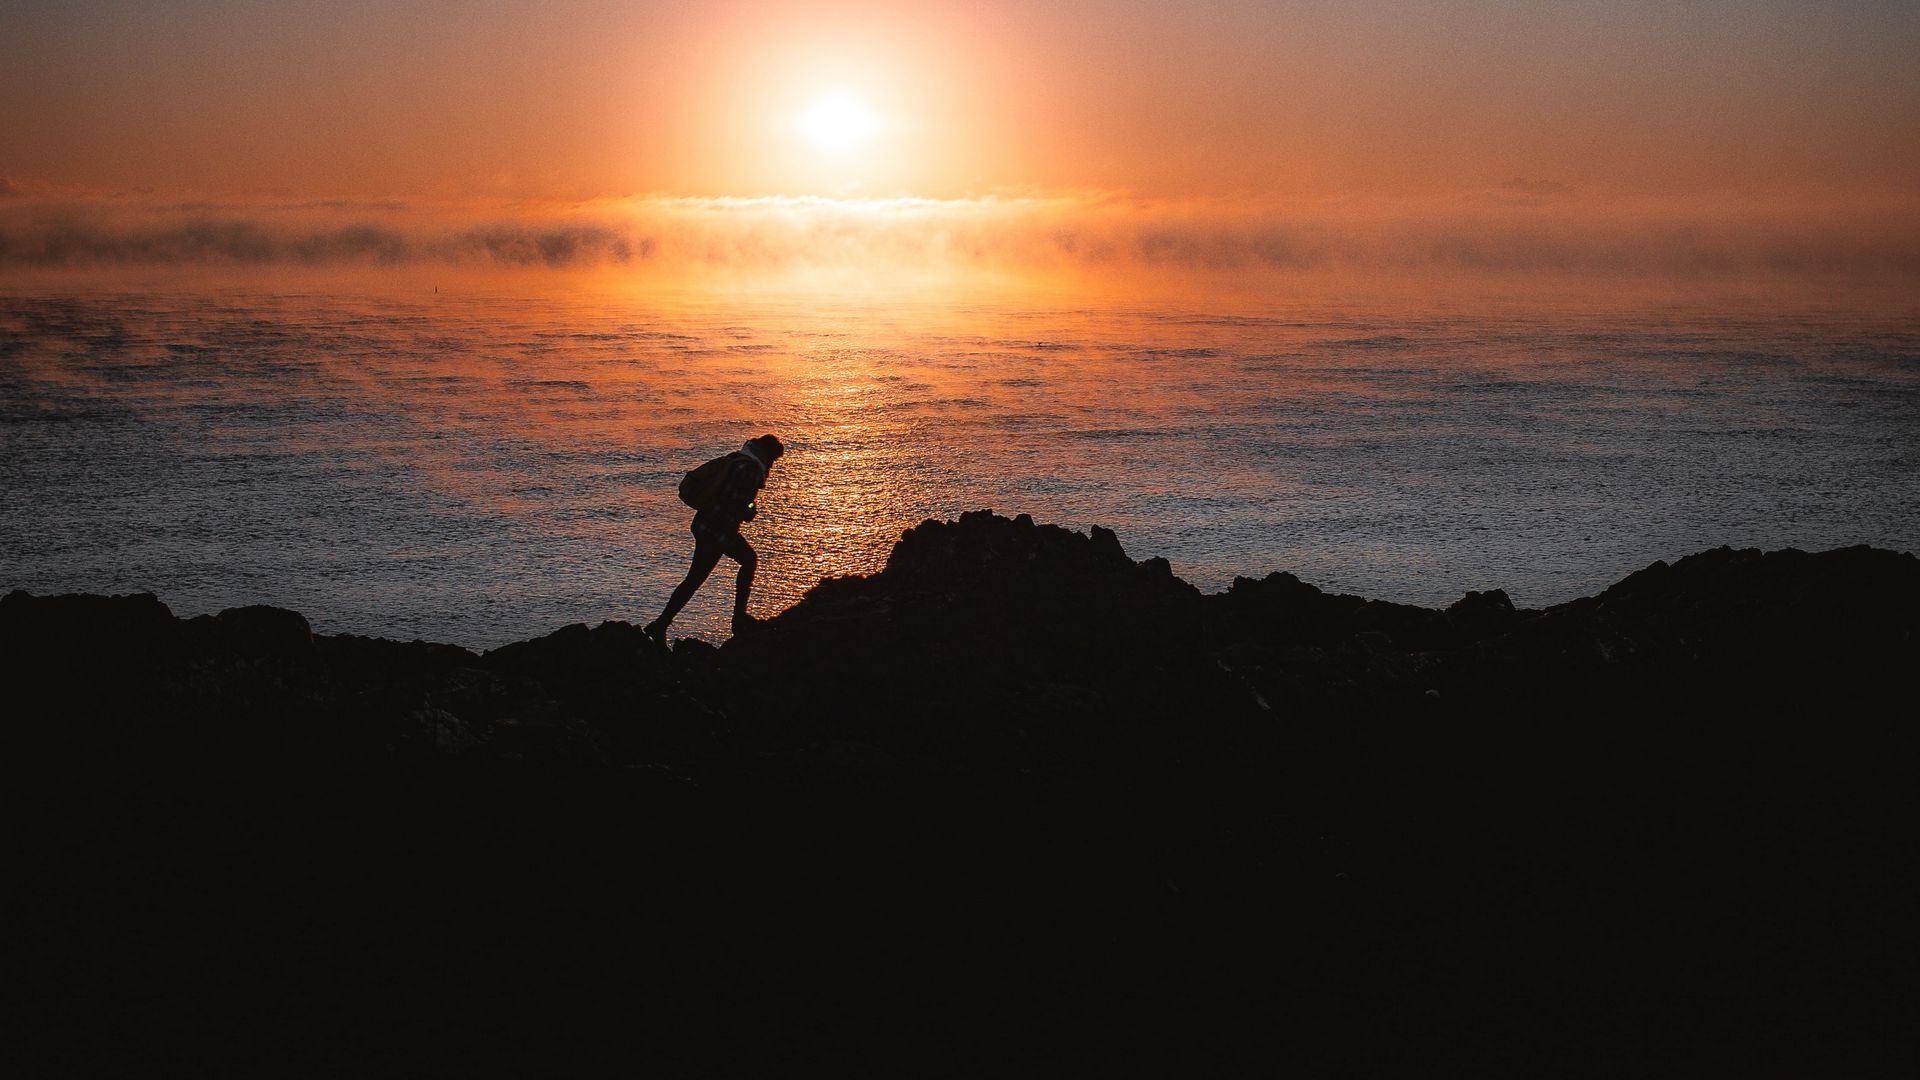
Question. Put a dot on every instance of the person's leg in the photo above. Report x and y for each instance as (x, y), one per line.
(706, 555)
(741, 552)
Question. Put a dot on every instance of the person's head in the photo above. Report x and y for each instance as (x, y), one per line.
(767, 448)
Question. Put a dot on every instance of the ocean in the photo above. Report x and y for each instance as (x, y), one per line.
(483, 468)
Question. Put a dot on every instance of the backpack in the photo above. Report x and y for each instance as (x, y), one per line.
(700, 487)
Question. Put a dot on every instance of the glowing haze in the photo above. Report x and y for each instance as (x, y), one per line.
(1483, 136)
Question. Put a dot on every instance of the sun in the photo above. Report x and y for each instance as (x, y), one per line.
(838, 122)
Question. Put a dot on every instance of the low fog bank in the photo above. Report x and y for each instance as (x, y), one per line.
(1524, 234)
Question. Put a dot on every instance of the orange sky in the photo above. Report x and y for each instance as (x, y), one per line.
(577, 100)
(1676, 118)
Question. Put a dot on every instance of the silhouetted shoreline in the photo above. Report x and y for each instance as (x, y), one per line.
(1015, 793)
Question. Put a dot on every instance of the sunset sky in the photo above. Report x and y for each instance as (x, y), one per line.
(1782, 135)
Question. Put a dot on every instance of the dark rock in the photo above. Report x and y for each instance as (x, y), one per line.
(441, 732)
(262, 631)
(1629, 831)
(982, 616)
(1482, 614)
(574, 653)
(122, 627)
(1015, 625)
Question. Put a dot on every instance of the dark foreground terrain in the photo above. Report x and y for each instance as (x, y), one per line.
(1017, 801)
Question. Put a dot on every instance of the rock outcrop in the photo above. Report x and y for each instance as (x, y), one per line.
(990, 630)
(1015, 791)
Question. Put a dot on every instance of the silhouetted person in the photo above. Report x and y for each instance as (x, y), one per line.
(722, 494)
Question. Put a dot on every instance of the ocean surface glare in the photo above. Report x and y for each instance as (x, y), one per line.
(480, 471)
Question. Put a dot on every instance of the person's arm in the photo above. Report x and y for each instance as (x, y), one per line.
(743, 482)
